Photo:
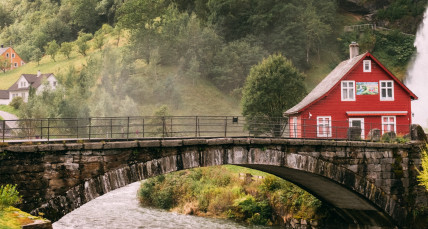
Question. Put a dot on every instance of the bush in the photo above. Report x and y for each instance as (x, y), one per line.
(17, 102)
(9, 196)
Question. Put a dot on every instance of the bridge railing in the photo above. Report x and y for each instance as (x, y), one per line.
(185, 127)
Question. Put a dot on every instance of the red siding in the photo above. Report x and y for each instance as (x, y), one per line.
(331, 105)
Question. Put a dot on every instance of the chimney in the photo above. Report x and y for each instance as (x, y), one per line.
(353, 49)
(2, 45)
(39, 73)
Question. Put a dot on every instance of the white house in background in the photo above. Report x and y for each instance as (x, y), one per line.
(21, 88)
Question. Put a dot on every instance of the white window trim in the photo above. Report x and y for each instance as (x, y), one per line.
(318, 127)
(369, 63)
(387, 123)
(295, 127)
(362, 125)
(341, 90)
(7, 55)
(380, 90)
(13, 55)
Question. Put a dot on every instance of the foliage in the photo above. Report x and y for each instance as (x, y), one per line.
(401, 14)
(37, 55)
(219, 192)
(16, 102)
(9, 196)
(52, 49)
(81, 43)
(4, 63)
(423, 175)
(66, 49)
(273, 86)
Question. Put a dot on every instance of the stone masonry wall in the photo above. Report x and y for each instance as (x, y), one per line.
(71, 174)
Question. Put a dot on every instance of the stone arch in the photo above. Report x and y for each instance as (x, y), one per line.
(358, 200)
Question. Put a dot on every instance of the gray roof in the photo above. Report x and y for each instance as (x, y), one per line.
(2, 50)
(33, 81)
(326, 84)
(4, 94)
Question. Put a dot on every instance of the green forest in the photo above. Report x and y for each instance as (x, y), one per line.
(193, 57)
(135, 56)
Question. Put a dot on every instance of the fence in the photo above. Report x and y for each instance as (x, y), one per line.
(355, 129)
(180, 127)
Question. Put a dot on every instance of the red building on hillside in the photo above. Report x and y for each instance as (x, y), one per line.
(360, 93)
(9, 59)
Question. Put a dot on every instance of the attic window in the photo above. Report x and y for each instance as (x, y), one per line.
(367, 66)
(7, 54)
(13, 55)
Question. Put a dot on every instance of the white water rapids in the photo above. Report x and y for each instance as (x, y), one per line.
(417, 80)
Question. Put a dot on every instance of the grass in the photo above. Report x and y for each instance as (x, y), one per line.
(9, 109)
(11, 218)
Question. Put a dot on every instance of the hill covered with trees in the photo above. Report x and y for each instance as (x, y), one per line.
(169, 43)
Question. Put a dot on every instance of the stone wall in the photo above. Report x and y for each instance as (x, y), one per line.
(372, 177)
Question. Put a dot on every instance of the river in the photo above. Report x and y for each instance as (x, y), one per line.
(120, 209)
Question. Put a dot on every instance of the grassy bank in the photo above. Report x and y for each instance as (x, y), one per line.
(221, 192)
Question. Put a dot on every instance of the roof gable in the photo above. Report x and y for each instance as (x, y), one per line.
(3, 50)
(33, 80)
(332, 80)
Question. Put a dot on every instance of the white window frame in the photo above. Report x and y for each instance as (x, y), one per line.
(347, 88)
(362, 125)
(13, 55)
(367, 63)
(321, 125)
(385, 124)
(386, 87)
(15, 64)
(7, 55)
(295, 127)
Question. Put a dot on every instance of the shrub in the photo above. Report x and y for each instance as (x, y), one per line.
(9, 196)
(17, 102)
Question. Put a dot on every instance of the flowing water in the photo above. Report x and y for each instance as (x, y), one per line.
(417, 79)
(120, 209)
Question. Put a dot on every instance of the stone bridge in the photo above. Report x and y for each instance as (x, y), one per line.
(366, 183)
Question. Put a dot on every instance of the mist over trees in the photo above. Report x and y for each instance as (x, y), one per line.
(168, 41)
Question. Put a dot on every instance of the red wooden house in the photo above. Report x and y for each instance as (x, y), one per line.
(12, 58)
(359, 92)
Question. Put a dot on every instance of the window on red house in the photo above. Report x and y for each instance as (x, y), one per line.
(324, 126)
(388, 124)
(348, 90)
(386, 90)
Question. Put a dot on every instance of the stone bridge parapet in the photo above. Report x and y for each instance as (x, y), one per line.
(371, 183)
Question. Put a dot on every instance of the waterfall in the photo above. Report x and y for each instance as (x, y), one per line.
(417, 79)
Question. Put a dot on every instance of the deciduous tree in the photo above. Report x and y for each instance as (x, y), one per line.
(52, 49)
(66, 48)
(272, 87)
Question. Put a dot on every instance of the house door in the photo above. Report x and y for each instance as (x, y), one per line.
(357, 122)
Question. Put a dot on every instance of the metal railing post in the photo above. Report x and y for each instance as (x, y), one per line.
(89, 129)
(77, 128)
(127, 130)
(143, 128)
(41, 128)
(4, 128)
(49, 129)
(225, 127)
(196, 126)
(111, 128)
(163, 126)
